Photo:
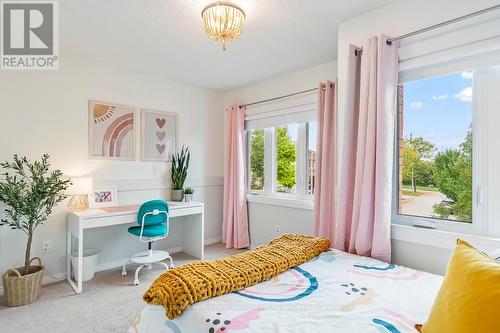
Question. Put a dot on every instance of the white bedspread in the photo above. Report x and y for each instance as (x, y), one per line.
(335, 292)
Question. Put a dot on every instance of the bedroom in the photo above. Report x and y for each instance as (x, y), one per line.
(154, 61)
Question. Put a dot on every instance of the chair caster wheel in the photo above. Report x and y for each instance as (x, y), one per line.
(171, 266)
(124, 273)
(136, 282)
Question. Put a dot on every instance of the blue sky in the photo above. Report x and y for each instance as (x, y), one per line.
(439, 109)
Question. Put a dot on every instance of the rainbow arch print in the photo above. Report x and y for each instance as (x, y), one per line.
(289, 286)
(115, 134)
(385, 271)
(112, 130)
(393, 322)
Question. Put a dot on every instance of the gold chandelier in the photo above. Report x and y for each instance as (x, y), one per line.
(223, 21)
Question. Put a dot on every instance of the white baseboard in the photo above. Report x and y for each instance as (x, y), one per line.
(213, 240)
(53, 278)
(112, 264)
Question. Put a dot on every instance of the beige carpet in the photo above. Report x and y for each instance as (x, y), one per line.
(108, 303)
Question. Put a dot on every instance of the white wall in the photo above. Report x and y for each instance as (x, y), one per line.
(398, 18)
(47, 112)
(269, 221)
(264, 218)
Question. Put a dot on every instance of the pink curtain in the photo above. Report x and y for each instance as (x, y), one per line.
(324, 203)
(235, 219)
(363, 220)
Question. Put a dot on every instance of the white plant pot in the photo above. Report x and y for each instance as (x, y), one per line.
(188, 197)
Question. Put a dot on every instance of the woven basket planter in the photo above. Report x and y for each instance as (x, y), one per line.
(22, 289)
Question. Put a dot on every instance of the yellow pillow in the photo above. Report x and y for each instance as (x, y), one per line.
(469, 298)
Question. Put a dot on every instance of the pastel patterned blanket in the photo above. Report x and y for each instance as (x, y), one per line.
(334, 292)
(178, 288)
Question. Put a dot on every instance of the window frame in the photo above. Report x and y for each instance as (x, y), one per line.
(306, 175)
(479, 224)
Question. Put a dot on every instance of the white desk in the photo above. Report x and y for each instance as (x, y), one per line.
(78, 222)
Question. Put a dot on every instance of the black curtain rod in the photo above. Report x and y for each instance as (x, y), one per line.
(436, 26)
(280, 97)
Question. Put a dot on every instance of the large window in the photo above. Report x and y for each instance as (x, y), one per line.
(435, 147)
(282, 160)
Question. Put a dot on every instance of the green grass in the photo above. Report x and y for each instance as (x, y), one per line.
(413, 194)
(420, 188)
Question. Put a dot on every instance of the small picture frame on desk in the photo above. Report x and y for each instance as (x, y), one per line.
(103, 197)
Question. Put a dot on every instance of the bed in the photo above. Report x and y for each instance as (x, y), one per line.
(334, 292)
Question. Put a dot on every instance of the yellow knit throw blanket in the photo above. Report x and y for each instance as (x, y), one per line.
(180, 287)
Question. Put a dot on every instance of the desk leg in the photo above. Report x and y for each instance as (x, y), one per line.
(193, 235)
(80, 261)
(68, 257)
(77, 287)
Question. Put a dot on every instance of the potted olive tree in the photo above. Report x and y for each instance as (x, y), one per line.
(180, 165)
(30, 191)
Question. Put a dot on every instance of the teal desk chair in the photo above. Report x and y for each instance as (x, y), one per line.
(153, 226)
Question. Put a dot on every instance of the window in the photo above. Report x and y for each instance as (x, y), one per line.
(435, 147)
(282, 160)
(256, 159)
(281, 150)
(449, 98)
(286, 160)
(446, 160)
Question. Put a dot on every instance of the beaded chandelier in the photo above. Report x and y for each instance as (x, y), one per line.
(223, 21)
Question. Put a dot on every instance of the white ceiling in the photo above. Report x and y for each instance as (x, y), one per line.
(167, 37)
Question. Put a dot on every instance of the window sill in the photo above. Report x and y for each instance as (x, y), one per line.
(441, 239)
(281, 201)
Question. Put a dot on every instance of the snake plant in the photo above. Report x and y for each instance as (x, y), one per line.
(180, 165)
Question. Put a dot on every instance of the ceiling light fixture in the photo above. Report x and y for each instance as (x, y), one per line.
(223, 21)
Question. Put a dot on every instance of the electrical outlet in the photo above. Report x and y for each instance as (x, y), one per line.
(277, 229)
(46, 247)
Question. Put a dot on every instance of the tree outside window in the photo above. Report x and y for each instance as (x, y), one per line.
(284, 152)
(285, 158)
(256, 146)
(436, 147)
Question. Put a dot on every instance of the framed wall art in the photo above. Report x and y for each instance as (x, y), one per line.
(111, 131)
(158, 138)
